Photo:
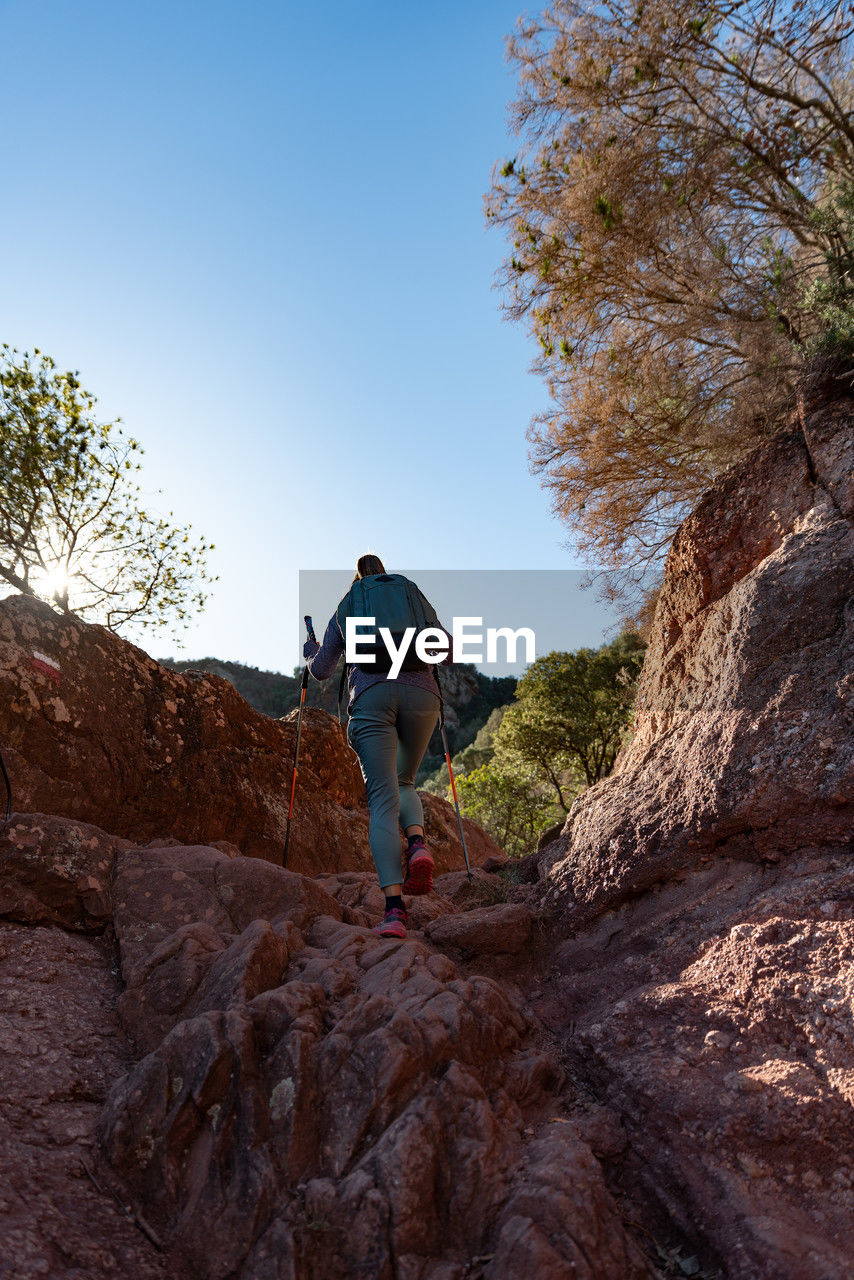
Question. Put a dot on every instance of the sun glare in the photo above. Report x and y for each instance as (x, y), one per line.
(53, 583)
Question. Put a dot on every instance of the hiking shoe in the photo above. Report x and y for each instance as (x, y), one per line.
(393, 924)
(419, 868)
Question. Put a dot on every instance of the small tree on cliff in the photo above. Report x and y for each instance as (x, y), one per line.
(571, 716)
(73, 529)
(681, 211)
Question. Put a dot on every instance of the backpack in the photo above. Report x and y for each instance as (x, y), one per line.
(394, 602)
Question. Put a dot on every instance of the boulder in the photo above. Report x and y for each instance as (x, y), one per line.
(713, 1017)
(744, 734)
(94, 729)
(503, 929)
(159, 891)
(459, 687)
(359, 894)
(57, 872)
(563, 1183)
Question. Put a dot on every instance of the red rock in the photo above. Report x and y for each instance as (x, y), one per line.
(714, 1019)
(701, 994)
(601, 1130)
(500, 930)
(194, 970)
(364, 1115)
(187, 1129)
(357, 892)
(563, 1185)
(57, 872)
(146, 752)
(158, 891)
(61, 1050)
(363, 901)
(745, 710)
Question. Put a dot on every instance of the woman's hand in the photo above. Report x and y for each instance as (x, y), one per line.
(310, 648)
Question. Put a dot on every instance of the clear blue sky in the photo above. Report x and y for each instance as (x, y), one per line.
(257, 231)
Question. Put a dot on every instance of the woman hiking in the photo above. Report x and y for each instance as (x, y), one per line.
(390, 724)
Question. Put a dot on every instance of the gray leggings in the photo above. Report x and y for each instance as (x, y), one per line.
(390, 726)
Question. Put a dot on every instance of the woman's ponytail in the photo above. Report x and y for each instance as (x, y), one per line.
(368, 565)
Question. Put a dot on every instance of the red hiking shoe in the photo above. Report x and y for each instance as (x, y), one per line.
(393, 924)
(419, 868)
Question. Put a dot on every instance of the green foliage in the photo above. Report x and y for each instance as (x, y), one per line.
(829, 299)
(473, 756)
(531, 758)
(606, 212)
(507, 804)
(73, 528)
(571, 715)
(492, 692)
(482, 750)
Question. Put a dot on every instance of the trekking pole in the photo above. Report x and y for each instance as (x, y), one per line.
(311, 636)
(8, 792)
(453, 789)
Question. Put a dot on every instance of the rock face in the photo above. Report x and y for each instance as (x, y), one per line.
(715, 1018)
(94, 729)
(459, 686)
(61, 1050)
(707, 884)
(744, 740)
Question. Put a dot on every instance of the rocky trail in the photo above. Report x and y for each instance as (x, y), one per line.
(307, 1099)
(275, 1091)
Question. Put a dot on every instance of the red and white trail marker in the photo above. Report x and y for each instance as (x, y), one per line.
(47, 666)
